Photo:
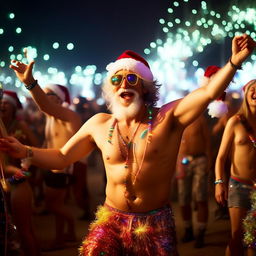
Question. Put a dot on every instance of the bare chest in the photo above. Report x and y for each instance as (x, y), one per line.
(57, 133)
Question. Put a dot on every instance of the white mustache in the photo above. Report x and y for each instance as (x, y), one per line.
(120, 91)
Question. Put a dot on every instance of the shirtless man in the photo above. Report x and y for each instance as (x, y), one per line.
(61, 124)
(238, 145)
(139, 145)
(192, 173)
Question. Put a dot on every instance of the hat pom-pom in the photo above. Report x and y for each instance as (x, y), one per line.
(217, 108)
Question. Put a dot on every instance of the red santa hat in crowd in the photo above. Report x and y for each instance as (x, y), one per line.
(12, 97)
(218, 107)
(61, 91)
(131, 61)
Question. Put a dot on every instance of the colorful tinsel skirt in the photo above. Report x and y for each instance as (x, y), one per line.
(118, 233)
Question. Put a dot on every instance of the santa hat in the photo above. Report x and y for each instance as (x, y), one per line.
(131, 61)
(209, 71)
(218, 107)
(12, 97)
(61, 91)
(249, 84)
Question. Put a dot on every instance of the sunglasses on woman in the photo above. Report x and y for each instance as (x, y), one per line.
(132, 79)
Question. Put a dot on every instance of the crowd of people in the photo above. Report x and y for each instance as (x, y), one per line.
(143, 148)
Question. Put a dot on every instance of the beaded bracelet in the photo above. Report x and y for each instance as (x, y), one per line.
(233, 65)
(31, 86)
(219, 181)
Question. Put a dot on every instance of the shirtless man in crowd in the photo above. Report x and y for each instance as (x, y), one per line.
(192, 172)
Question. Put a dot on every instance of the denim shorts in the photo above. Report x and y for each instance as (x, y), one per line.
(239, 194)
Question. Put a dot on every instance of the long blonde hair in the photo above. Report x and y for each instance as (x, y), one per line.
(245, 109)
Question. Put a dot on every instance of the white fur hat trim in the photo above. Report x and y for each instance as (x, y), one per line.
(56, 89)
(217, 108)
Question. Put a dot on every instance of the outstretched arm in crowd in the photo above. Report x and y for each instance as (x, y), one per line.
(78, 146)
(196, 102)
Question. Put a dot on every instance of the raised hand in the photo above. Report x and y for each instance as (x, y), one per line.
(242, 47)
(23, 71)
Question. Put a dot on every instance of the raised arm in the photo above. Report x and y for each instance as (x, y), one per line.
(24, 74)
(196, 102)
(224, 151)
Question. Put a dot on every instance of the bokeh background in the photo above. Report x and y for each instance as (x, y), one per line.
(72, 42)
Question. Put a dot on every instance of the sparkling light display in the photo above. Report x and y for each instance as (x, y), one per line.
(177, 58)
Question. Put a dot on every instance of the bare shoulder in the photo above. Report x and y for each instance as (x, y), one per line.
(100, 118)
(171, 105)
(168, 108)
(232, 121)
(166, 114)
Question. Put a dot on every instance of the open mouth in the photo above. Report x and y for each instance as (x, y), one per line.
(126, 95)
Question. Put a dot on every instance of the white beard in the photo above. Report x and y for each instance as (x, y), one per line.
(121, 112)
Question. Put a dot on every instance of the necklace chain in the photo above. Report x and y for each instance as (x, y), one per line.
(128, 145)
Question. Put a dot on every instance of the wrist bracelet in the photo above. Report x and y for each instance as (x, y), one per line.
(31, 86)
(29, 153)
(26, 162)
(219, 181)
(233, 65)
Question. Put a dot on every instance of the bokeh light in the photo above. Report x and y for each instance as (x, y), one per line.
(192, 36)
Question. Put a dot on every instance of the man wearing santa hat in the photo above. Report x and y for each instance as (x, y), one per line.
(61, 124)
(193, 166)
(139, 144)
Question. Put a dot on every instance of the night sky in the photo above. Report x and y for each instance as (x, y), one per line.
(100, 30)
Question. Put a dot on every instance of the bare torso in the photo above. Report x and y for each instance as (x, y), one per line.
(242, 154)
(156, 159)
(58, 132)
(194, 139)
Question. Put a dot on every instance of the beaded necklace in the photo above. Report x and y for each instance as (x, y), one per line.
(129, 144)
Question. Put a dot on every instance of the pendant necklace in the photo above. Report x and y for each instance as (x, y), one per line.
(128, 193)
(126, 145)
